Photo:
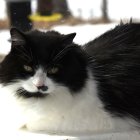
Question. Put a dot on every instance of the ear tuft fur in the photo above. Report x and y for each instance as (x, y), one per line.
(17, 37)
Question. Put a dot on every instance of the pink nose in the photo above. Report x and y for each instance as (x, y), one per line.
(38, 83)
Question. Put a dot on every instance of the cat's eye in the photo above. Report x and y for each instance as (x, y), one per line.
(53, 70)
(28, 68)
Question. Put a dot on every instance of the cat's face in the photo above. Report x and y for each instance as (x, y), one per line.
(40, 62)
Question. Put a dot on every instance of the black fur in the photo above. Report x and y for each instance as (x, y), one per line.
(25, 94)
(115, 64)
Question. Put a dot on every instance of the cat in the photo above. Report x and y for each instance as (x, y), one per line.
(50, 84)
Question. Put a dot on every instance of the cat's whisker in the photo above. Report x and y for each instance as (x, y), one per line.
(22, 57)
(31, 54)
(52, 54)
(122, 35)
(24, 53)
(121, 38)
(92, 60)
(59, 55)
(62, 53)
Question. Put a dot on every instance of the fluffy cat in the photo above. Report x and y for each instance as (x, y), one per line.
(48, 83)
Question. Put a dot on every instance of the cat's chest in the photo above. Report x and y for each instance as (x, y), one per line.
(60, 112)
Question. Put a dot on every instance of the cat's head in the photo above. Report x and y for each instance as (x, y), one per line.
(41, 62)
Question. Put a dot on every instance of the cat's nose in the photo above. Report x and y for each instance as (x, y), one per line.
(43, 88)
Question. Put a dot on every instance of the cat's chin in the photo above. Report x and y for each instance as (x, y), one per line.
(26, 94)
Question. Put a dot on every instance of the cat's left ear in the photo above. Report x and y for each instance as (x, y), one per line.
(17, 37)
(68, 39)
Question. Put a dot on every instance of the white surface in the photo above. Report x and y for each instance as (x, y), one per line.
(84, 34)
(134, 135)
(4, 44)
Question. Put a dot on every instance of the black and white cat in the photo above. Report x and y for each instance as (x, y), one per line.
(50, 84)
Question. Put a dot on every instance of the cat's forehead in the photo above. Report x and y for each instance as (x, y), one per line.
(44, 45)
(42, 38)
(35, 37)
(41, 44)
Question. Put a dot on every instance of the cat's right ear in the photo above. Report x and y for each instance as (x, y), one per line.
(68, 39)
(17, 37)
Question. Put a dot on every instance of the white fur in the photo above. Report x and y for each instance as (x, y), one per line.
(60, 112)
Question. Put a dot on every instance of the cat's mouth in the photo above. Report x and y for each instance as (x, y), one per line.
(26, 94)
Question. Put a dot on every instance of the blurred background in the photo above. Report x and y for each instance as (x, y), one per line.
(47, 13)
(88, 18)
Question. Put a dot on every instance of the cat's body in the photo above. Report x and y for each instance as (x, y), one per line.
(56, 86)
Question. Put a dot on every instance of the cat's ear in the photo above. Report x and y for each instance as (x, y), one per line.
(68, 39)
(17, 37)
